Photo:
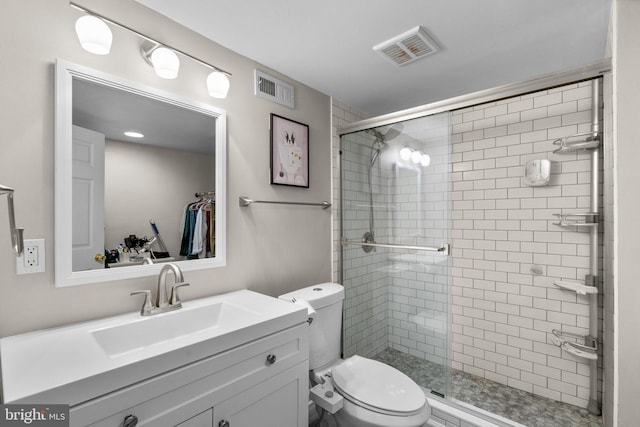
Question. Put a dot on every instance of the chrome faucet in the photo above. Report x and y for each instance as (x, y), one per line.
(161, 304)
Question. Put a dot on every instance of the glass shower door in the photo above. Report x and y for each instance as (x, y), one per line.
(395, 229)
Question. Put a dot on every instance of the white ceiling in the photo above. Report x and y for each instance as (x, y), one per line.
(112, 111)
(328, 44)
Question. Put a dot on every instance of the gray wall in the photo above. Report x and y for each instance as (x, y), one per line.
(626, 54)
(146, 182)
(270, 249)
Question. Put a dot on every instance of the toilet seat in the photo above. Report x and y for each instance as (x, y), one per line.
(378, 387)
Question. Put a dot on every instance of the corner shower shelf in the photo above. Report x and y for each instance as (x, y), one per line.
(578, 288)
(588, 219)
(561, 339)
(580, 141)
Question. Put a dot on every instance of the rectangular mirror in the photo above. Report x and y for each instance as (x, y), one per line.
(126, 203)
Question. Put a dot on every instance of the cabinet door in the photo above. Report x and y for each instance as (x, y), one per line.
(201, 420)
(278, 402)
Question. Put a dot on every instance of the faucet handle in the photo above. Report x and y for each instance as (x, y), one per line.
(174, 299)
(147, 307)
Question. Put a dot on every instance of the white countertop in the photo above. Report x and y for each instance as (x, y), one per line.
(67, 365)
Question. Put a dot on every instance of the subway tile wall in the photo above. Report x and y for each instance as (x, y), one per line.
(365, 314)
(419, 199)
(341, 115)
(364, 275)
(507, 250)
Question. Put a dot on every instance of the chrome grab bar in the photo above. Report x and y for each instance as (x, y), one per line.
(17, 233)
(246, 201)
(445, 249)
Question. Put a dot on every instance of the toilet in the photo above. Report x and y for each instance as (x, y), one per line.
(360, 392)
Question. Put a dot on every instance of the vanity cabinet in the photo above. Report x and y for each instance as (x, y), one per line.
(263, 382)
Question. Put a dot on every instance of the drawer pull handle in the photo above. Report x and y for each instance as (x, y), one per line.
(271, 359)
(224, 423)
(130, 421)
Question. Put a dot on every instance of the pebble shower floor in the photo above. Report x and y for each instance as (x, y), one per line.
(517, 405)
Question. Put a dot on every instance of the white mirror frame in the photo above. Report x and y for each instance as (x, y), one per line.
(64, 275)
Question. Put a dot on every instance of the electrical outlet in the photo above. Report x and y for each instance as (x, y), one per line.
(32, 259)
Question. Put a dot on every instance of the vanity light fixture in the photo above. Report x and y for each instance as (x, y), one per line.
(218, 84)
(162, 57)
(94, 35)
(425, 160)
(164, 61)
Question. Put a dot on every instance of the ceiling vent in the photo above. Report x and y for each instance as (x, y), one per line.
(407, 47)
(273, 89)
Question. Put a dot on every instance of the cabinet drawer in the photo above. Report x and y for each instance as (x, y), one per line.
(174, 396)
(280, 401)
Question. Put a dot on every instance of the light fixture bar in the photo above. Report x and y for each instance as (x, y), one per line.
(139, 34)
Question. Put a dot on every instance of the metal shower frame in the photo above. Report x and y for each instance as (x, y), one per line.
(592, 71)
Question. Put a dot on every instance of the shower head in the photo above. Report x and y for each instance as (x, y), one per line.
(393, 132)
(390, 134)
(381, 139)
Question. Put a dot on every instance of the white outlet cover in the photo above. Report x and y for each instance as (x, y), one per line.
(22, 265)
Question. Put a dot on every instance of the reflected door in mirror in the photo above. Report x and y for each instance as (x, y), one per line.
(88, 198)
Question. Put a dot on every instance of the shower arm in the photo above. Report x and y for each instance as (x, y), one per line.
(17, 233)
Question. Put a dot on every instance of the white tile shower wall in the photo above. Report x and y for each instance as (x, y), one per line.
(419, 206)
(341, 115)
(364, 277)
(507, 251)
(365, 302)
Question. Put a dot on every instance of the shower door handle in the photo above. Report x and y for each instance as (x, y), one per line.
(444, 249)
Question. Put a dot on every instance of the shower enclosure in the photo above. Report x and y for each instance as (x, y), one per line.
(456, 268)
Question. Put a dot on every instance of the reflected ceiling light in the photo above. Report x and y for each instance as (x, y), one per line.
(165, 62)
(425, 160)
(218, 84)
(134, 134)
(94, 35)
(416, 156)
(405, 154)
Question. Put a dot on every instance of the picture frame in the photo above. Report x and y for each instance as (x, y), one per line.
(289, 152)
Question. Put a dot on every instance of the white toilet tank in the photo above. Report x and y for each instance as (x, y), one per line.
(325, 330)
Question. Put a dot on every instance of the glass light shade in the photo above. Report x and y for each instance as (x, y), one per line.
(425, 160)
(405, 154)
(134, 134)
(94, 35)
(165, 62)
(218, 84)
(416, 156)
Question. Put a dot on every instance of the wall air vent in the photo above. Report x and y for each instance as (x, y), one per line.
(407, 47)
(273, 89)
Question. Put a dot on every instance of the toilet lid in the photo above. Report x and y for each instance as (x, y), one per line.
(378, 385)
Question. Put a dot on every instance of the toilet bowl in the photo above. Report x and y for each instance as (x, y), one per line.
(377, 395)
(370, 393)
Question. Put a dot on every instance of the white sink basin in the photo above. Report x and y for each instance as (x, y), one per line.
(75, 363)
(175, 325)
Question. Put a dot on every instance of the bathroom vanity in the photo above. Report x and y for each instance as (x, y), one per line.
(232, 360)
